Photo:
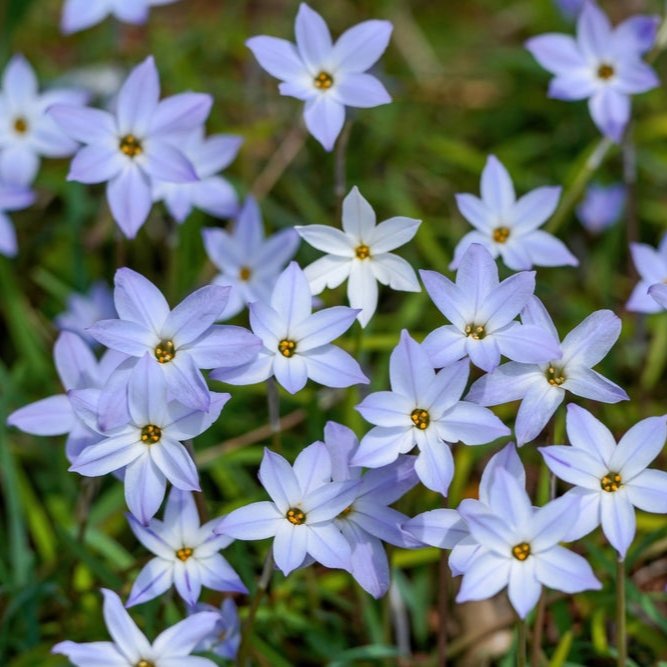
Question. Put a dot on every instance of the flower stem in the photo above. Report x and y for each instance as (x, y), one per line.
(621, 635)
(521, 643)
(262, 585)
(340, 181)
(273, 399)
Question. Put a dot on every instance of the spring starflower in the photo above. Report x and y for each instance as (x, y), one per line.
(327, 76)
(610, 479)
(508, 227)
(82, 14)
(130, 647)
(361, 254)
(649, 294)
(225, 638)
(603, 64)
(128, 148)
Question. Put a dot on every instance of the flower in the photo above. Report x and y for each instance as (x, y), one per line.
(481, 310)
(225, 639)
(248, 262)
(423, 409)
(129, 148)
(26, 130)
(186, 554)
(77, 369)
(651, 264)
(327, 76)
(84, 310)
(130, 647)
(611, 479)
(211, 193)
(368, 520)
(507, 227)
(12, 198)
(149, 446)
(301, 514)
(520, 548)
(602, 206)
(602, 65)
(296, 341)
(361, 253)
(542, 386)
(82, 14)
(180, 341)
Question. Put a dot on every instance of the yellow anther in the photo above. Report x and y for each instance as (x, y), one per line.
(605, 71)
(245, 273)
(611, 482)
(165, 351)
(144, 663)
(131, 146)
(555, 376)
(501, 234)
(150, 434)
(420, 418)
(323, 81)
(475, 331)
(363, 252)
(184, 553)
(287, 347)
(521, 551)
(21, 125)
(295, 516)
(345, 512)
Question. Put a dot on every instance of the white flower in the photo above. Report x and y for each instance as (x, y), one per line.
(361, 253)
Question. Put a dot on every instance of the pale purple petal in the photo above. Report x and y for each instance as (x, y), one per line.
(180, 639)
(486, 576)
(49, 416)
(144, 487)
(556, 53)
(588, 343)
(256, 521)
(618, 520)
(594, 32)
(333, 367)
(278, 478)
(485, 354)
(448, 297)
(292, 373)
(130, 200)
(327, 545)
(610, 110)
(589, 434)
(322, 327)
(96, 164)
(187, 580)
(546, 250)
(523, 588)
(442, 528)
(590, 384)
(435, 465)
(647, 491)
(291, 295)
(176, 464)
(575, 466)
(195, 314)
(154, 579)
(527, 343)
(639, 447)
(324, 118)
(313, 38)
(636, 33)
(181, 112)
(471, 424)
(123, 630)
(91, 654)
(330, 271)
(496, 186)
(538, 406)
(167, 163)
(410, 367)
(138, 99)
(360, 90)
(137, 299)
(381, 446)
(563, 570)
(290, 546)
(111, 454)
(85, 124)
(358, 219)
(396, 272)
(359, 47)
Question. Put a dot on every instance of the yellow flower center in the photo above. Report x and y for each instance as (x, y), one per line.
(420, 419)
(165, 351)
(323, 81)
(295, 516)
(345, 512)
(611, 482)
(287, 347)
(151, 434)
(475, 331)
(144, 663)
(184, 553)
(245, 273)
(521, 551)
(555, 376)
(363, 252)
(21, 125)
(501, 234)
(605, 71)
(131, 146)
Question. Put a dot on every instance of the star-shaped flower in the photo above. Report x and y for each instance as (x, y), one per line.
(543, 386)
(128, 148)
(327, 76)
(82, 14)
(248, 263)
(130, 648)
(225, 639)
(507, 227)
(296, 340)
(301, 513)
(611, 479)
(482, 313)
(26, 130)
(361, 253)
(424, 409)
(186, 554)
(650, 293)
(602, 65)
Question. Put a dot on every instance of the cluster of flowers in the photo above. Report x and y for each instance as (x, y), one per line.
(133, 412)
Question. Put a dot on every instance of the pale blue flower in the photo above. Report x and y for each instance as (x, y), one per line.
(225, 638)
(130, 647)
(82, 14)
(651, 264)
(326, 76)
(601, 207)
(610, 479)
(83, 310)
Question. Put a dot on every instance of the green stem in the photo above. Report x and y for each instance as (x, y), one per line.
(262, 585)
(340, 186)
(273, 399)
(621, 635)
(521, 643)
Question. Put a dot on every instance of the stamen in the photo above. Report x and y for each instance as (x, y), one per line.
(345, 512)
(323, 81)
(151, 434)
(21, 125)
(165, 351)
(144, 663)
(611, 482)
(295, 516)
(245, 273)
(605, 71)
(363, 252)
(287, 347)
(521, 551)
(475, 331)
(555, 376)
(184, 553)
(501, 234)
(131, 146)
(420, 418)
